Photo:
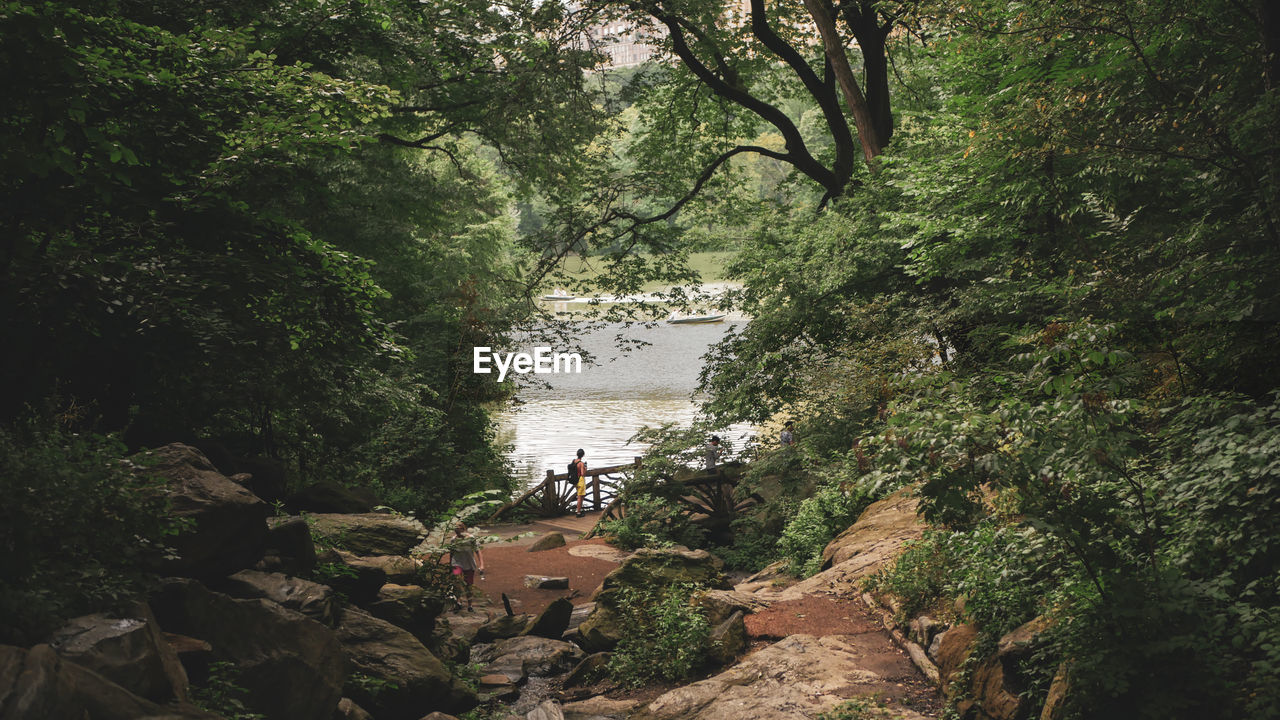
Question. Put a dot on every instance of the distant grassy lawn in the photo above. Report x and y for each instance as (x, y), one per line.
(709, 265)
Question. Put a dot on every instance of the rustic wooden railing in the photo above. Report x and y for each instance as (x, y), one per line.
(556, 495)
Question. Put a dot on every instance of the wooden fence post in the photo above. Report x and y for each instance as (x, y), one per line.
(595, 491)
(550, 499)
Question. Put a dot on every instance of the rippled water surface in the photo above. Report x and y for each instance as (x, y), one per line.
(599, 409)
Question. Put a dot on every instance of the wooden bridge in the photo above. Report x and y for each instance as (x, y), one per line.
(556, 495)
(702, 494)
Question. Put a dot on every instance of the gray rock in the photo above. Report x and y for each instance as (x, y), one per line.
(553, 621)
(547, 542)
(396, 568)
(542, 582)
(368, 534)
(228, 524)
(599, 708)
(546, 710)
(290, 665)
(800, 676)
(416, 681)
(409, 607)
(728, 639)
(349, 710)
(590, 670)
(541, 656)
(314, 600)
(502, 627)
(37, 683)
(130, 651)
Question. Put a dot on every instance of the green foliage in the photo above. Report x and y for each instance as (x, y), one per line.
(79, 529)
(652, 522)
(664, 637)
(819, 518)
(222, 694)
(367, 686)
(858, 709)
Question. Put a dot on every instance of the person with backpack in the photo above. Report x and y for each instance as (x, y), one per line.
(578, 474)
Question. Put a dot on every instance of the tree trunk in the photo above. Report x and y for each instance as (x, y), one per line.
(835, 51)
(864, 22)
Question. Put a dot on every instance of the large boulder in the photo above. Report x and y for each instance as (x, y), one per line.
(547, 542)
(38, 683)
(314, 600)
(409, 607)
(129, 650)
(395, 568)
(227, 529)
(394, 676)
(289, 547)
(343, 572)
(291, 666)
(553, 621)
(998, 685)
(646, 568)
(368, 534)
(539, 656)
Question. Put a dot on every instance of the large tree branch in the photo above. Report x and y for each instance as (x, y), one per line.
(844, 76)
(703, 178)
(827, 101)
(798, 155)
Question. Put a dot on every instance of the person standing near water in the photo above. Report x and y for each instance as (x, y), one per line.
(713, 453)
(578, 472)
(465, 557)
(788, 436)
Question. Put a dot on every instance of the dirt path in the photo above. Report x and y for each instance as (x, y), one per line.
(860, 650)
(584, 562)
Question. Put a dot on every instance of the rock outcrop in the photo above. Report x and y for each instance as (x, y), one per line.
(538, 656)
(408, 607)
(794, 679)
(129, 650)
(291, 666)
(402, 680)
(368, 534)
(38, 683)
(314, 600)
(228, 524)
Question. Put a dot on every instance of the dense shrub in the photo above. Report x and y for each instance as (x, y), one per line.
(664, 635)
(820, 517)
(78, 529)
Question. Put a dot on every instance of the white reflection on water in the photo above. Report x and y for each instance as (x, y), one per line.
(609, 401)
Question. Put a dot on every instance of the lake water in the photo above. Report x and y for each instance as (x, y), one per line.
(601, 408)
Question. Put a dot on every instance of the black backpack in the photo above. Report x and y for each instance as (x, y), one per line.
(573, 469)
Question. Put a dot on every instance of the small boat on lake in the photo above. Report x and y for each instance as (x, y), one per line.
(677, 319)
(559, 294)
